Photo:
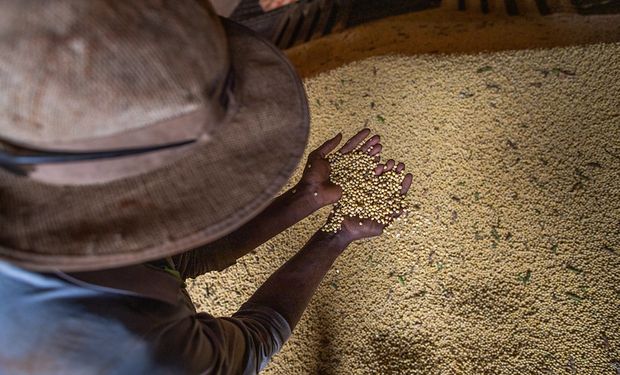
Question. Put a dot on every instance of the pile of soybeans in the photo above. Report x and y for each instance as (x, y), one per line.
(509, 262)
(365, 195)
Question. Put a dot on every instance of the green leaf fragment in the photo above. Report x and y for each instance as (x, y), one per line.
(554, 248)
(557, 71)
(574, 269)
(401, 280)
(574, 297)
(494, 233)
(525, 277)
(484, 69)
(381, 119)
(371, 261)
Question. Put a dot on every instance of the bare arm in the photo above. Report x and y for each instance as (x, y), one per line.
(248, 339)
(313, 191)
(289, 290)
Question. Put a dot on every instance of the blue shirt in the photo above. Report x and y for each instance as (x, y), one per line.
(130, 320)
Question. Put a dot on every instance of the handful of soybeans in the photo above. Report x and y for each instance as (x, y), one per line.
(364, 194)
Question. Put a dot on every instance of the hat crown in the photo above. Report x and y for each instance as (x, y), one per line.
(72, 70)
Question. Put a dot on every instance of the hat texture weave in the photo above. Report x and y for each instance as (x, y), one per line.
(185, 204)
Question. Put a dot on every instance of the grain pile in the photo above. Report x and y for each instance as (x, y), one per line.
(364, 194)
(510, 261)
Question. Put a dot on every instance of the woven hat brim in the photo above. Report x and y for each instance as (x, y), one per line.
(189, 203)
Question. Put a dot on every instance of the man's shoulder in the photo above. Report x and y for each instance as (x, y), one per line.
(61, 325)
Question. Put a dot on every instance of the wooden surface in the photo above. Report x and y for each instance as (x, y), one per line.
(448, 30)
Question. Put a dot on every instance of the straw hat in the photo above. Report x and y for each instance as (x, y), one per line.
(206, 121)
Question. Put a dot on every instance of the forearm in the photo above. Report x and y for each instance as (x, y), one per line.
(314, 191)
(289, 290)
(262, 325)
(284, 211)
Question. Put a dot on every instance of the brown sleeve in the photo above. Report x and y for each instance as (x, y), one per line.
(241, 344)
(211, 257)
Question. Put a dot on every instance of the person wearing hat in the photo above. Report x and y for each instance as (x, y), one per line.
(130, 133)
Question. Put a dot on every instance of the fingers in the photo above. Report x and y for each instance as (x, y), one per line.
(388, 166)
(355, 141)
(385, 167)
(370, 143)
(329, 145)
(406, 184)
(379, 169)
(376, 149)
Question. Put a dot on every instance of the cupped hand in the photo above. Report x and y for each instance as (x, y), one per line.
(355, 228)
(315, 178)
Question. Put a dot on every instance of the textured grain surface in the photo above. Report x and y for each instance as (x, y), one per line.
(510, 261)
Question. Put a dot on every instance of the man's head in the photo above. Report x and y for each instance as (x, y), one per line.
(89, 77)
(138, 129)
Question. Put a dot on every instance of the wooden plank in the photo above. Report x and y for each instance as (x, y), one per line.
(292, 27)
(310, 19)
(511, 7)
(543, 7)
(484, 6)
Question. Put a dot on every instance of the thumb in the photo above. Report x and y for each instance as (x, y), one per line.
(333, 193)
(329, 145)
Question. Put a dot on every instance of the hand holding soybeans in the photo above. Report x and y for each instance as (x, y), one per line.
(316, 174)
(372, 194)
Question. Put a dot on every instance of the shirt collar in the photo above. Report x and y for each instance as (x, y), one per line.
(139, 280)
